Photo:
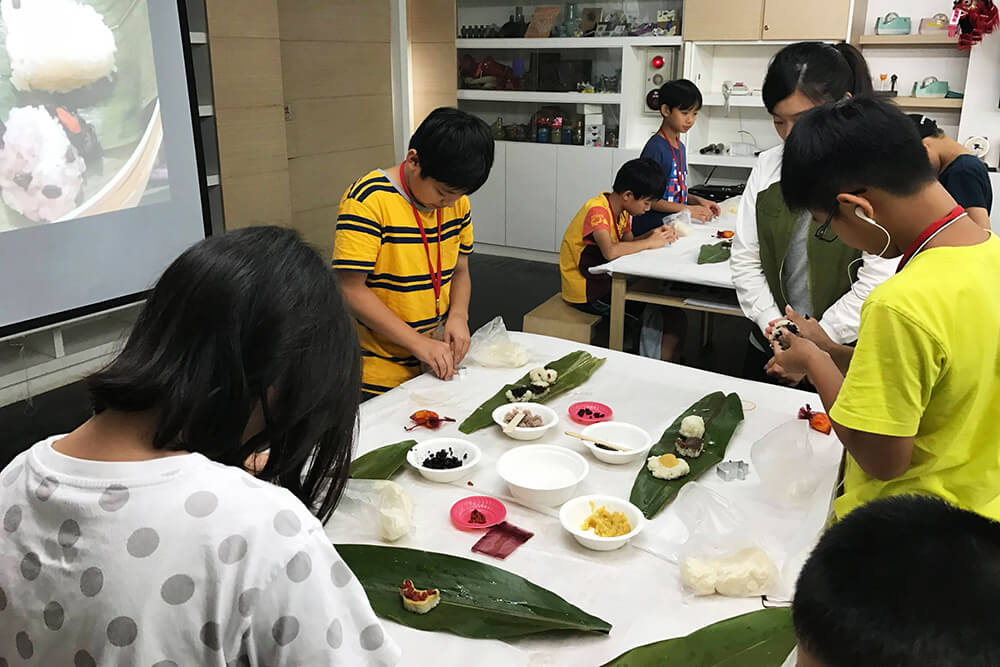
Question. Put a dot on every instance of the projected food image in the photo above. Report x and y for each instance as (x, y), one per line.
(80, 130)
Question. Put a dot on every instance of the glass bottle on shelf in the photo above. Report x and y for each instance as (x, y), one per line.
(522, 26)
(578, 132)
(497, 129)
(571, 25)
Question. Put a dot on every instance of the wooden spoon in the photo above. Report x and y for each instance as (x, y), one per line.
(599, 442)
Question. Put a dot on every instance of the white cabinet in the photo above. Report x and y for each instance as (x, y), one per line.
(582, 174)
(489, 203)
(531, 196)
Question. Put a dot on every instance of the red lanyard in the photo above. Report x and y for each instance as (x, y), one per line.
(676, 155)
(435, 277)
(925, 237)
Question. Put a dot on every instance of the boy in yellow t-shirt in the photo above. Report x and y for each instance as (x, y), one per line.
(402, 246)
(917, 408)
(602, 231)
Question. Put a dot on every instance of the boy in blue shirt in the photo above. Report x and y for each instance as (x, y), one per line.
(680, 102)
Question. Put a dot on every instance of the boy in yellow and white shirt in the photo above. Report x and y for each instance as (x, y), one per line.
(408, 285)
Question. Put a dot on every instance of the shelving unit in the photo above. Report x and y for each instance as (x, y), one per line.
(699, 160)
(907, 102)
(540, 97)
(719, 100)
(910, 41)
(529, 44)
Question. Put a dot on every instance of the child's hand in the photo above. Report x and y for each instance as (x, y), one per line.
(437, 355)
(795, 360)
(713, 207)
(809, 329)
(456, 334)
(701, 213)
(661, 236)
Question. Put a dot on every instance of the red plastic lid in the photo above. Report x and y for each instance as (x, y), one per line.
(599, 412)
(491, 508)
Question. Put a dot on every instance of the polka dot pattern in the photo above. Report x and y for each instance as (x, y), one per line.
(54, 615)
(91, 581)
(12, 519)
(335, 634)
(232, 549)
(211, 635)
(69, 533)
(299, 568)
(143, 542)
(83, 659)
(122, 631)
(287, 524)
(25, 648)
(201, 503)
(46, 488)
(248, 600)
(178, 589)
(340, 574)
(285, 630)
(372, 637)
(31, 566)
(114, 498)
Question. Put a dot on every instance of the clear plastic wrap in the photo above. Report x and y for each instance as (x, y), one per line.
(492, 347)
(380, 507)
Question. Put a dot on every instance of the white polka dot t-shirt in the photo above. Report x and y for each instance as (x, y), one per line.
(168, 563)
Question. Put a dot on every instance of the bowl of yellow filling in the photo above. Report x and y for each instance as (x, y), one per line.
(601, 523)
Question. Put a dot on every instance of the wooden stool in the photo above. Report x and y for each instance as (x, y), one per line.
(557, 318)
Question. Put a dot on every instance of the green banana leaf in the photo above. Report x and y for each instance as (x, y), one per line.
(722, 414)
(477, 600)
(574, 369)
(714, 253)
(381, 463)
(758, 639)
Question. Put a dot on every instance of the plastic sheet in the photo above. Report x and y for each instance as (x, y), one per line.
(492, 347)
(382, 508)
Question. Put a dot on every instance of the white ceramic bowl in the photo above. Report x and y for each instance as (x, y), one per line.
(575, 512)
(618, 433)
(542, 474)
(548, 415)
(415, 457)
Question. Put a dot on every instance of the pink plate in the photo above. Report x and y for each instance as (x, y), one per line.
(594, 407)
(494, 511)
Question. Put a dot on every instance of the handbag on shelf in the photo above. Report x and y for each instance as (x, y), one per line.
(935, 25)
(893, 24)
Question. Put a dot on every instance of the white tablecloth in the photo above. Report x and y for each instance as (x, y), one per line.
(635, 589)
(679, 261)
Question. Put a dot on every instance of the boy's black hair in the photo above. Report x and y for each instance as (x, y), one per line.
(926, 127)
(250, 318)
(454, 147)
(821, 72)
(908, 581)
(643, 177)
(680, 94)
(851, 145)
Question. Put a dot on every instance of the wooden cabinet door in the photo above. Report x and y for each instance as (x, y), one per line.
(806, 19)
(583, 173)
(489, 203)
(531, 196)
(706, 20)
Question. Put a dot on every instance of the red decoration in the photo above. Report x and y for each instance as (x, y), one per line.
(657, 62)
(426, 418)
(977, 18)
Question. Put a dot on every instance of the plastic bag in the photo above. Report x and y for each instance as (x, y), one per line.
(720, 554)
(492, 347)
(786, 463)
(381, 507)
(681, 222)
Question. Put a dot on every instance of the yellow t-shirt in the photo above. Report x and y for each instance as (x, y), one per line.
(927, 365)
(579, 251)
(378, 235)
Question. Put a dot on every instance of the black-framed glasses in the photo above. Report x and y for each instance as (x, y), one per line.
(821, 231)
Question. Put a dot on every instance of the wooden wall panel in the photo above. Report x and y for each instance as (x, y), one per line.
(433, 64)
(252, 139)
(257, 199)
(343, 20)
(320, 180)
(431, 20)
(242, 18)
(317, 226)
(246, 72)
(335, 69)
(361, 122)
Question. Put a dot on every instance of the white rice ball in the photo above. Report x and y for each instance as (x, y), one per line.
(692, 426)
(661, 470)
(56, 45)
(41, 172)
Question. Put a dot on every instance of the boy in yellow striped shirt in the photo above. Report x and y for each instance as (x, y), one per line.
(401, 251)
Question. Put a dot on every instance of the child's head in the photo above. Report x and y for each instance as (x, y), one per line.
(640, 182)
(680, 102)
(804, 75)
(855, 158)
(245, 344)
(452, 154)
(927, 128)
(908, 581)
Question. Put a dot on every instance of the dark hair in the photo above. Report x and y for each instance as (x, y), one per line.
(926, 127)
(858, 143)
(680, 94)
(821, 72)
(643, 177)
(455, 148)
(908, 581)
(250, 318)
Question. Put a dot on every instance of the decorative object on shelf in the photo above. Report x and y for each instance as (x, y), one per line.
(743, 148)
(588, 23)
(578, 133)
(585, 87)
(934, 25)
(570, 27)
(594, 136)
(893, 24)
(930, 87)
(971, 20)
(516, 26)
(978, 146)
(542, 21)
(713, 149)
(611, 137)
(487, 74)
(496, 130)
(666, 20)
(881, 90)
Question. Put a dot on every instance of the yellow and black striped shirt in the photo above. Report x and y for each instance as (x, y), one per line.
(377, 234)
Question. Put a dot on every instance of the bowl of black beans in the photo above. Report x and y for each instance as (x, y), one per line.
(444, 459)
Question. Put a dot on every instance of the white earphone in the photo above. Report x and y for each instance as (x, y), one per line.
(858, 211)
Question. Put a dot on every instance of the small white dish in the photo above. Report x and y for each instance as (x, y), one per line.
(618, 433)
(575, 512)
(548, 415)
(467, 452)
(542, 474)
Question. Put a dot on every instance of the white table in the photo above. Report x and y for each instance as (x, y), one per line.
(635, 589)
(676, 263)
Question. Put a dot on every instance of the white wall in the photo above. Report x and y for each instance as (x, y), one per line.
(981, 111)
